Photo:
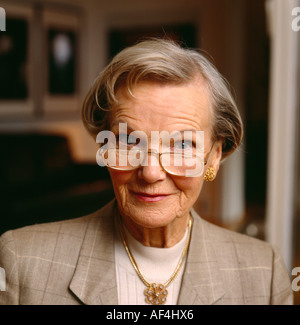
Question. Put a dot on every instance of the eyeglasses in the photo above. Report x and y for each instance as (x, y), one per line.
(188, 164)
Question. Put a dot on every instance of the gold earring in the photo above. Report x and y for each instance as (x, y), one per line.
(210, 174)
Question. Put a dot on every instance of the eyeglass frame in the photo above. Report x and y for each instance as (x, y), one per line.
(159, 154)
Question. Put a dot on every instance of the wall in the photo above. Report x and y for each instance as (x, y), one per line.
(220, 27)
(97, 18)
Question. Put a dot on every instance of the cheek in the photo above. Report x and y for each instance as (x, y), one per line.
(119, 182)
(190, 187)
(120, 179)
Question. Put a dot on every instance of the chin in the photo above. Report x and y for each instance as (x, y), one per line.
(151, 211)
(149, 216)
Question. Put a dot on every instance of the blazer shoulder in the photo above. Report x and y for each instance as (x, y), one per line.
(234, 237)
(246, 249)
(250, 271)
(45, 235)
(41, 260)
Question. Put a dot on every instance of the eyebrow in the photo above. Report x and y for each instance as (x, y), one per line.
(116, 122)
(131, 129)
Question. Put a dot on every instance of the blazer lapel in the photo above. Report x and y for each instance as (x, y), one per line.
(94, 280)
(202, 281)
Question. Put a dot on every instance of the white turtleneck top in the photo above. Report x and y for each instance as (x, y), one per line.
(156, 264)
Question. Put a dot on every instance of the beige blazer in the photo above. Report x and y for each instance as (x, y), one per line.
(72, 262)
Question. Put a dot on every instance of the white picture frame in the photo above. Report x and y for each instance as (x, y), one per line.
(61, 37)
(22, 106)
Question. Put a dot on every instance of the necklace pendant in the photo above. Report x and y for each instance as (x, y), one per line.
(156, 294)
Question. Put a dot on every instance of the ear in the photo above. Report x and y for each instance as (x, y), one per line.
(215, 156)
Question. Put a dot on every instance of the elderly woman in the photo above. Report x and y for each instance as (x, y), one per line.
(164, 119)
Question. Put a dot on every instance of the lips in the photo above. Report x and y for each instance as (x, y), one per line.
(148, 197)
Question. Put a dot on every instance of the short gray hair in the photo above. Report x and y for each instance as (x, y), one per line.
(163, 61)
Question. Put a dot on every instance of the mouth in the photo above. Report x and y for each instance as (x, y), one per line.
(147, 197)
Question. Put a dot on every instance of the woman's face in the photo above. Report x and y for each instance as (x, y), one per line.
(148, 197)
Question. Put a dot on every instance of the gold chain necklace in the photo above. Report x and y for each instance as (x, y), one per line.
(156, 294)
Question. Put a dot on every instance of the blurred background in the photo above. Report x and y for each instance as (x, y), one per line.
(50, 54)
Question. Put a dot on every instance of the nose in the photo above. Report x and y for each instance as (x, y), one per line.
(152, 171)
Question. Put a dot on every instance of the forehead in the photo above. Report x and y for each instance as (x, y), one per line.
(156, 107)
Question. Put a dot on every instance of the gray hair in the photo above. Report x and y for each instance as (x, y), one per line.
(163, 61)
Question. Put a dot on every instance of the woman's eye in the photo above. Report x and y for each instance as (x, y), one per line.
(184, 145)
(126, 139)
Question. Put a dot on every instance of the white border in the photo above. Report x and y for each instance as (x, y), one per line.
(21, 106)
(284, 92)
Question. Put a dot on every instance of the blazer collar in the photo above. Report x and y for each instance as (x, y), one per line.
(202, 282)
(94, 279)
